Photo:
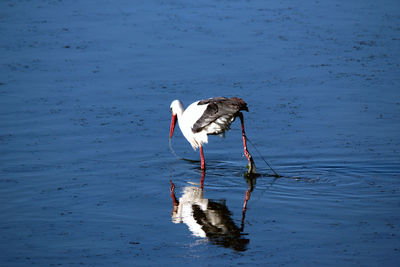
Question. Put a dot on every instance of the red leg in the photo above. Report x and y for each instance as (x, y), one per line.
(246, 152)
(203, 174)
(252, 166)
(203, 164)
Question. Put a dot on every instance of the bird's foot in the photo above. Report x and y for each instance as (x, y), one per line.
(252, 165)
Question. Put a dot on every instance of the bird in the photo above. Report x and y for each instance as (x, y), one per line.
(211, 116)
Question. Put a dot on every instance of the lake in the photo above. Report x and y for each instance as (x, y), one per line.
(85, 163)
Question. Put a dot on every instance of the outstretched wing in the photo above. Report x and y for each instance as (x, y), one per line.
(218, 107)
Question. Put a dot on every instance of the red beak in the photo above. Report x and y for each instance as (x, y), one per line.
(173, 123)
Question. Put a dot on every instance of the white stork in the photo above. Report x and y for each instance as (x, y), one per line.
(210, 116)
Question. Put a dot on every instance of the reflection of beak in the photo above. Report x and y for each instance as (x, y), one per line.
(173, 123)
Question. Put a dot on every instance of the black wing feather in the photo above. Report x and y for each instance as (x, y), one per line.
(217, 107)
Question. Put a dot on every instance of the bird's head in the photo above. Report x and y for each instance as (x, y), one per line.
(176, 108)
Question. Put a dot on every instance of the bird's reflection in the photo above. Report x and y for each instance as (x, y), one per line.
(208, 218)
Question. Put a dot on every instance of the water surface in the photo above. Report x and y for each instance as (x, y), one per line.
(85, 165)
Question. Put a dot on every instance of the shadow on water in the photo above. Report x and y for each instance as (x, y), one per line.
(211, 219)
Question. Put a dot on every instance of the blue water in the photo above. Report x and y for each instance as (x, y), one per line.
(85, 165)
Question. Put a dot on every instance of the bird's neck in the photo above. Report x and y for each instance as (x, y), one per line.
(179, 113)
(179, 110)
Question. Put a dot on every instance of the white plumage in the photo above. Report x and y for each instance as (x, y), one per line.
(205, 117)
(187, 118)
